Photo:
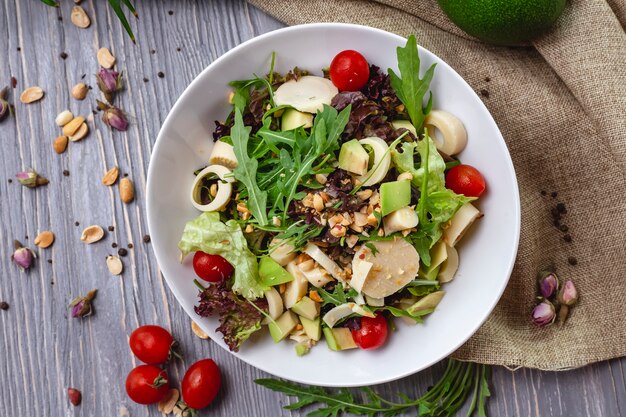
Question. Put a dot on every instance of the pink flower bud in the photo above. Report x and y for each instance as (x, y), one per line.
(568, 295)
(548, 284)
(544, 313)
(23, 257)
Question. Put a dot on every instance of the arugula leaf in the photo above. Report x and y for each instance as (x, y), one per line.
(338, 296)
(410, 88)
(372, 248)
(246, 170)
(460, 381)
(208, 234)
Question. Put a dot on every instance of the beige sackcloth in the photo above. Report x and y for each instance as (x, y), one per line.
(561, 106)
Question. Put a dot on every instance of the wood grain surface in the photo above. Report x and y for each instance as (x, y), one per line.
(43, 350)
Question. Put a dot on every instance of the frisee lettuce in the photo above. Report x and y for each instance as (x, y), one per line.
(208, 234)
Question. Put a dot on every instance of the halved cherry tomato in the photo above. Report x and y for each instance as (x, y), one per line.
(349, 70)
(147, 384)
(201, 384)
(152, 344)
(372, 334)
(466, 180)
(211, 268)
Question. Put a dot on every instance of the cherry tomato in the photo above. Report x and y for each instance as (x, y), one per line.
(349, 71)
(147, 384)
(201, 384)
(372, 334)
(152, 344)
(466, 180)
(212, 268)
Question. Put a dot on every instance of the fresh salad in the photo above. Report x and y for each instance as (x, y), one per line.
(331, 204)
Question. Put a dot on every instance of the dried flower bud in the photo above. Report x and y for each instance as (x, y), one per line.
(74, 396)
(113, 117)
(81, 306)
(23, 257)
(30, 178)
(568, 295)
(548, 284)
(5, 107)
(109, 81)
(544, 313)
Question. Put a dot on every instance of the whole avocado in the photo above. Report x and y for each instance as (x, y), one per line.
(503, 22)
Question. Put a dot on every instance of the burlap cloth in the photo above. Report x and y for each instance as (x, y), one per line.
(561, 106)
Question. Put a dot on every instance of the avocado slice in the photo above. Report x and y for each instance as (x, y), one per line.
(394, 195)
(282, 326)
(339, 338)
(353, 157)
(293, 119)
(312, 328)
(404, 124)
(306, 308)
(429, 274)
(272, 273)
(302, 349)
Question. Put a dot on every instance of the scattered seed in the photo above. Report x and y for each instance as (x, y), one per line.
(31, 95)
(152, 51)
(487, 79)
(75, 396)
(80, 134)
(50, 261)
(66, 173)
(554, 194)
(127, 190)
(79, 91)
(13, 82)
(145, 80)
(92, 234)
(561, 208)
(161, 74)
(76, 224)
(111, 176)
(4, 305)
(60, 144)
(122, 252)
(64, 118)
(130, 246)
(111, 228)
(484, 93)
(544, 192)
(115, 265)
(105, 58)
(63, 55)
(19, 49)
(79, 17)
(168, 402)
(567, 238)
(177, 49)
(171, 12)
(198, 331)
(146, 239)
(563, 228)
(114, 245)
(572, 261)
(44, 239)
(72, 127)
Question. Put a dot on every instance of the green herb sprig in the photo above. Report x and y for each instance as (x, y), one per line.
(460, 381)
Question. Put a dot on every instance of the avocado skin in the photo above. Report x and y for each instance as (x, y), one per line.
(503, 22)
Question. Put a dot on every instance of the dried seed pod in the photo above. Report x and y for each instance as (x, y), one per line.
(71, 128)
(44, 239)
(31, 94)
(79, 91)
(111, 176)
(64, 118)
(74, 396)
(168, 402)
(198, 331)
(127, 190)
(105, 58)
(92, 234)
(82, 131)
(115, 265)
(79, 17)
(60, 144)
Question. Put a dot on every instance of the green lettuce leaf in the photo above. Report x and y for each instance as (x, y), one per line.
(208, 234)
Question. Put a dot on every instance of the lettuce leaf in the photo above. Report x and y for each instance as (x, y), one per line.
(208, 234)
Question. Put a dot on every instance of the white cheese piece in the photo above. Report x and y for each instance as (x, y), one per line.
(308, 94)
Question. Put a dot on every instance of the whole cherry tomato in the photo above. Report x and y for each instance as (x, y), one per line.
(372, 334)
(147, 384)
(152, 344)
(349, 71)
(466, 180)
(201, 384)
(212, 268)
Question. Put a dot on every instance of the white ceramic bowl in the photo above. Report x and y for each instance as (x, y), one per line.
(487, 253)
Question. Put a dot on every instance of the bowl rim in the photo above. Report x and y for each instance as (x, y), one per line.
(349, 26)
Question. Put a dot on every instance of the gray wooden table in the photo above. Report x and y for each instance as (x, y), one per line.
(44, 350)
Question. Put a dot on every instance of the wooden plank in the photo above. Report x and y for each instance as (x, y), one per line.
(44, 350)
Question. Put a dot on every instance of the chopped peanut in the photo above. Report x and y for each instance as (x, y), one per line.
(314, 295)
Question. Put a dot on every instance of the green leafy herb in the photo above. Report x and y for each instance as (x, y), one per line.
(338, 296)
(372, 248)
(208, 234)
(246, 170)
(410, 88)
(460, 381)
